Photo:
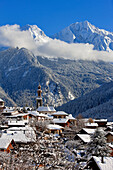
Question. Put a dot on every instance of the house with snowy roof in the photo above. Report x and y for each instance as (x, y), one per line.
(10, 111)
(60, 114)
(87, 131)
(95, 163)
(72, 120)
(6, 145)
(55, 129)
(62, 118)
(19, 117)
(22, 135)
(38, 116)
(84, 138)
(91, 125)
(62, 122)
(101, 122)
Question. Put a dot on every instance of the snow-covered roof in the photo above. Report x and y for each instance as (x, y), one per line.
(43, 115)
(60, 120)
(86, 138)
(1, 100)
(91, 124)
(89, 131)
(14, 123)
(70, 117)
(54, 127)
(34, 113)
(52, 108)
(44, 109)
(109, 123)
(10, 108)
(110, 145)
(16, 128)
(100, 120)
(60, 113)
(26, 108)
(13, 112)
(21, 114)
(4, 143)
(109, 133)
(28, 128)
(108, 163)
(39, 98)
(18, 115)
(20, 136)
(50, 117)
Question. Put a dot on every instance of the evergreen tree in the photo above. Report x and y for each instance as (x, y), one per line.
(98, 145)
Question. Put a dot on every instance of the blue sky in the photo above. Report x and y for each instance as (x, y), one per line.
(54, 15)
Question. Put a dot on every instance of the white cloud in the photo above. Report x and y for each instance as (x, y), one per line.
(57, 48)
(13, 36)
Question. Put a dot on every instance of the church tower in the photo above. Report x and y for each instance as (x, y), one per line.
(39, 97)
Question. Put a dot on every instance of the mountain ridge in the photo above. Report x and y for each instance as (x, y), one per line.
(85, 32)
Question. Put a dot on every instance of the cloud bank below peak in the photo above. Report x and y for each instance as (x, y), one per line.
(57, 48)
(13, 36)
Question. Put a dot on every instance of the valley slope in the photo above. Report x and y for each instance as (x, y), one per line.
(96, 104)
(61, 79)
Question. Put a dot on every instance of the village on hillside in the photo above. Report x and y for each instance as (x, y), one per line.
(44, 138)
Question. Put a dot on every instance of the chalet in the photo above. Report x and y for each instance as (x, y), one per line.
(6, 145)
(101, 122)
(2, 105)
(87, 131)
(38, 116)
(68, 133)
(59, 115)
(56, 129)
(63, 119)
(62, 122)
(109, 137)
(19, 117)
(85, 138)
(91, 125)
(71, 119)
(9, 111)
(108, 129)
(95, 163)
(19, 136)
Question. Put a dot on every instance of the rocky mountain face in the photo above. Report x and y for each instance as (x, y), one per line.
(61, 80)
(85, 32)
(96, 104)
(21, 73)
(6, 98)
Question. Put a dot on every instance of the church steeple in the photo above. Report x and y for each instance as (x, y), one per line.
(39, 98)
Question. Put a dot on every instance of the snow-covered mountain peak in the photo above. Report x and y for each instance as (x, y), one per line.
(85, 32)
(37, 34)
